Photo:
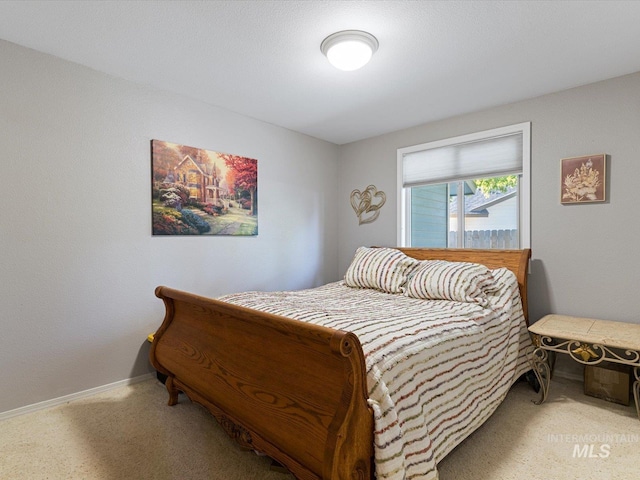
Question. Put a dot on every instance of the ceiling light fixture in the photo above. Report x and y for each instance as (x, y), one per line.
(350, 49)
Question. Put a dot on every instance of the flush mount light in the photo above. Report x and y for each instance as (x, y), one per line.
(350, 49)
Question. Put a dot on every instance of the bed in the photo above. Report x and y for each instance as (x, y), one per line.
(295, 376)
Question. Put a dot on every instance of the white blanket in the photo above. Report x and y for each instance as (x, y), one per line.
(436, 369)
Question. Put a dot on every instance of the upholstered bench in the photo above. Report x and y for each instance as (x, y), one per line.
(587, 341)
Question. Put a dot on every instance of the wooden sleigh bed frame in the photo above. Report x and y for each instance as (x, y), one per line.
(292, 390)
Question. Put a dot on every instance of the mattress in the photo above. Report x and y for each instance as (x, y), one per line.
(436, 369)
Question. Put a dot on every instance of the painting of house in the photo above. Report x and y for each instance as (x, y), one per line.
(199, 178)
(202, 192)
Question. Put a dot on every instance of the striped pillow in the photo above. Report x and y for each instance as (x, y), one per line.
(457, 281)
(385, 269)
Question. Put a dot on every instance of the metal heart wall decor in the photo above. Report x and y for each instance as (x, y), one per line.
(367, 204)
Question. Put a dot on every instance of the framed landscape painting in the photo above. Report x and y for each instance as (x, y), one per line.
(202, 192)
(584, 179)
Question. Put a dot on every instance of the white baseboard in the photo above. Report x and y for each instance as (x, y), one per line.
(73, 396)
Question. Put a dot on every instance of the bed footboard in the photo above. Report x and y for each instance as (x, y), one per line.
(292, 390)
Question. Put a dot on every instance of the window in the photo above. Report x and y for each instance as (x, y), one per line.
(477, 184)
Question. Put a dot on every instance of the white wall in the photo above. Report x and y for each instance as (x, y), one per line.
(585, 260)
(78, 263)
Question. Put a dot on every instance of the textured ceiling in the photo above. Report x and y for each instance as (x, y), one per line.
(262, 58)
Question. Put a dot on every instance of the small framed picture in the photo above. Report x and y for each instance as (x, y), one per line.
(584, 179)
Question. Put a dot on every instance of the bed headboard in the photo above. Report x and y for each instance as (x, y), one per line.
(515, 260)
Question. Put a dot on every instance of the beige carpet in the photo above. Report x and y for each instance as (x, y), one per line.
(127, 433)
(130, 433)
(537, 442)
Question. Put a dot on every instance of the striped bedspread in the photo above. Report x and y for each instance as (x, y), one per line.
(436, 369)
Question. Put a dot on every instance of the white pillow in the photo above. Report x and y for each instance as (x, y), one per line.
(457, 281)
(383, 268)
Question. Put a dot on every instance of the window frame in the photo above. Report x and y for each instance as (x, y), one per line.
(524, 187)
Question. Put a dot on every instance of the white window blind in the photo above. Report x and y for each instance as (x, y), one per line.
(489, 157)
